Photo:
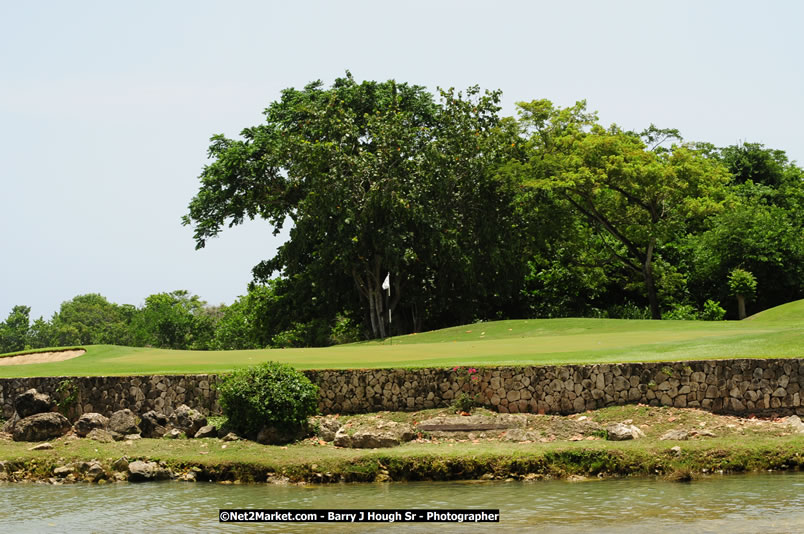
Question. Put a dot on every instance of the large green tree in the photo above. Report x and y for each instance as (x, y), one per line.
(636, 193)
(89, 320)
(175, 320)
(375, 178)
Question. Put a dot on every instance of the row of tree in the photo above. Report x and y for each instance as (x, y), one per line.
(477, 216)
(175, 320)
(179, 320)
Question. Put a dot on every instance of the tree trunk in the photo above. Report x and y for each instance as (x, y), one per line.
(647, 272)
(372, 315)
(741, 306)
(378, 308)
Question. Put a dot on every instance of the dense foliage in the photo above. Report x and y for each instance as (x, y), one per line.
(266, 395)
(474, 216)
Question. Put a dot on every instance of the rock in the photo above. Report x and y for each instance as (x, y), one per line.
(384, 434)
(207, 431)
(90, 421)
(676, 450)
(42, 447)
(63, 471)
(31, 403)
(8, 426)
(173, 433)
(132, 437)
(622, 432)
(95, 472)
(121, 464)
(794, 421)
(675, 435)
(41, 427)
(187, 420)
(123, 422)
(342, 438)
(231, 436)
(276, 435)
(98, 434)
(153, 424)
(327, 428)
(520, 434)
(187, 477)
(140, 471)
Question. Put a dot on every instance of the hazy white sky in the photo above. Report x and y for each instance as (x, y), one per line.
(106, 108)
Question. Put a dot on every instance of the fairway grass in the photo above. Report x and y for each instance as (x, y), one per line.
(775, 333)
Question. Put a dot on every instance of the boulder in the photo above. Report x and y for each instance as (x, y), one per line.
(123, 422)
(342, 438)
(140, 471)
(31, 403)
(42, 447)
(95, 471)
(187, 420)
(327, 428)
(173, 433)
(521, 434)
(89, 422)
(41, 427)
(384, 434)
(63, 471)
(99, 434)
(231, 436)
(121, 464)
(675, 435)
(153, 424)
(8, 426)
(207, 431)
(622, 432)
(794, 421)
(279, 435)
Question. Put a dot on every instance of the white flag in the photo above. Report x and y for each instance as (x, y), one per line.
(387, 283)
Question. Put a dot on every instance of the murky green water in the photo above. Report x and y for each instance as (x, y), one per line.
(750, 503)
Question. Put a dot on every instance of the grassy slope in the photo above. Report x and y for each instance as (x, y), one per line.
(778, 332)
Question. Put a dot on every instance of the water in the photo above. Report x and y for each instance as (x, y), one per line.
(749, 503)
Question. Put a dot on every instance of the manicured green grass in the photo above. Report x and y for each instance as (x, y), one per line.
(775, 333)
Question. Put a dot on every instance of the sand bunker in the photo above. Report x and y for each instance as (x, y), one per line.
(42, 357)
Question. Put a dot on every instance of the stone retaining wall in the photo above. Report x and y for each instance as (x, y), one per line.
(746, 386)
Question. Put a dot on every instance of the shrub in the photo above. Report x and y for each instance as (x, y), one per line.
(313, 333)
(268, 394)
(681, 312)
(344, 331)
(712, 311)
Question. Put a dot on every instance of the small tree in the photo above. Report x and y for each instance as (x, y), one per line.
(743, 285)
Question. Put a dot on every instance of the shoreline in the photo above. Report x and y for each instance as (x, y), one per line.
(542, 447)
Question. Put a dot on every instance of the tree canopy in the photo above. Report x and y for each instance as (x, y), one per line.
(376, 178)
(636, 193)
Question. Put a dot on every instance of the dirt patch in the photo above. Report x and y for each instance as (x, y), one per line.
(42, 357)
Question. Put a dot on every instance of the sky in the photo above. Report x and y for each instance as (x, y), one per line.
(106, 108)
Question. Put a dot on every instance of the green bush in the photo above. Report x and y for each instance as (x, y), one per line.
(681, 312)
(344, 331)
(313, 333)
(712, 311)
(268, 394)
